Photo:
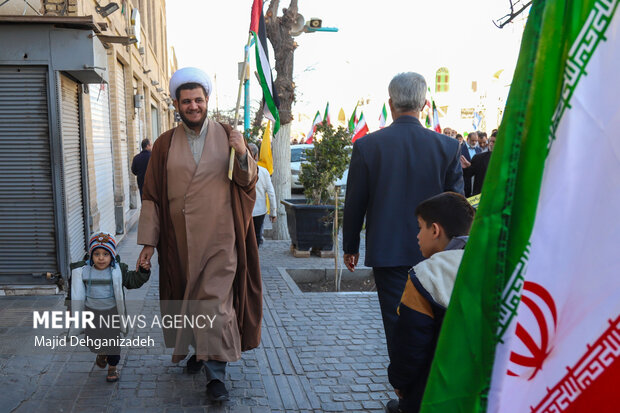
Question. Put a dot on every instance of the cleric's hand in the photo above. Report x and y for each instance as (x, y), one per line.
(236, 141)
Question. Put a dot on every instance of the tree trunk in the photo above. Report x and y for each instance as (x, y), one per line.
(278, 33)
(281, 178)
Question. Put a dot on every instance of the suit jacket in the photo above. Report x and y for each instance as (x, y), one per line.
(465, 153)
(478, 171)
(392, 170)
(139, 165)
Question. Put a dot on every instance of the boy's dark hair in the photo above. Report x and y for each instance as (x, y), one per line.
(145, 143)
(189, 86)
(450, 210)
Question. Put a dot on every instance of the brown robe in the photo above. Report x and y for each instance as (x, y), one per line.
(207, 252)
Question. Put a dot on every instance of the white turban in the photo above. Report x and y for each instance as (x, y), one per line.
(189, 75)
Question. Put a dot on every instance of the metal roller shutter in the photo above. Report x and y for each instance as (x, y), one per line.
(122, 120)
(102, 144)
(72, 167)
(27, 229)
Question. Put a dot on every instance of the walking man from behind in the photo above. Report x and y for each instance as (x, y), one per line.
(392, 170)
(140, 163)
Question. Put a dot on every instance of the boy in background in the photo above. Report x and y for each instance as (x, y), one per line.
(445, 221)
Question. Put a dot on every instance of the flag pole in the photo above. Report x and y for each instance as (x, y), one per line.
(231, 161)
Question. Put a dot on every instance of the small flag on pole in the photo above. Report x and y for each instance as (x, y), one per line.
(383, 117)
(436, 126)
(265, 158)
(353, 120)
(326, 117)
(361, 128)
(316, 122)
(342, 118)
(257, 28)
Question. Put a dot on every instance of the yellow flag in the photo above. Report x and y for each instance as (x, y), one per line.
(265, 159)
(342, 118)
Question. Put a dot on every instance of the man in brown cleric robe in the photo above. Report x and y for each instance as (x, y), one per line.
(201, 224)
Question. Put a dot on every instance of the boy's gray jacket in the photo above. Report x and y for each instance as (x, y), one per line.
(78, 296)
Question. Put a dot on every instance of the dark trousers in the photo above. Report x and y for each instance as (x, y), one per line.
(390, 282)
(100, 332)
(258, 228)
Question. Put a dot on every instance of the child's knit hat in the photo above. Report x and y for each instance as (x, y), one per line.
(102, 240)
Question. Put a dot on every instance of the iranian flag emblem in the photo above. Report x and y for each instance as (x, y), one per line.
(534, 319)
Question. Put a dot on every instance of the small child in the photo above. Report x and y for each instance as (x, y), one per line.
(97, 285)
(445, 221)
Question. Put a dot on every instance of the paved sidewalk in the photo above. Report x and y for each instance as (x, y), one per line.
(320, 352)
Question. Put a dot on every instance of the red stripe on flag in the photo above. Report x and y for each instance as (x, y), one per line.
(257, 11)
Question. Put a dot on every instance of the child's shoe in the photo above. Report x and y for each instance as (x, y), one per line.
(101, 361)
(113, 375)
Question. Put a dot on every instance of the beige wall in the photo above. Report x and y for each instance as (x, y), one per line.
(148, 62)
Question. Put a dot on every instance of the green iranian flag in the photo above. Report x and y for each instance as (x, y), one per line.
(534, 319)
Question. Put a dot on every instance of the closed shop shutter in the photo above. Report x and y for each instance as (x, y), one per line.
(102, 147)
(27, 229)
(122, 120)
(72, 167)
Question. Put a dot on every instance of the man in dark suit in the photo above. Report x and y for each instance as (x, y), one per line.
(469, 149)
(140, 162)
(392, 170)
(477, 169)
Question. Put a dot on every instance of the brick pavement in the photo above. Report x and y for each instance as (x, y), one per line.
(320, 352)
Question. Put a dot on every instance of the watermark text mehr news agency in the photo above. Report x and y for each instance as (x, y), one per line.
(83, 319)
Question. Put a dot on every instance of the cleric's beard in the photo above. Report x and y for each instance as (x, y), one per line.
(191, 124)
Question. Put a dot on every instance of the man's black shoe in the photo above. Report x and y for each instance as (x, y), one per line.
(193, 365)
(216, 390)
(393, 406)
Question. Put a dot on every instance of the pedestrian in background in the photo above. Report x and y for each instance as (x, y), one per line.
(392, 170)
(264, 189)
(141, 162)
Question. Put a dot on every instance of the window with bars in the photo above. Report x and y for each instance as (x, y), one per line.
(442, 80)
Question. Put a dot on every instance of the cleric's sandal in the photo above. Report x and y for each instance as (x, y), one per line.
(101, 361)
(112, 374)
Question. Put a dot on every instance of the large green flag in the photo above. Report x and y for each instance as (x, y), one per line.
(533, 300)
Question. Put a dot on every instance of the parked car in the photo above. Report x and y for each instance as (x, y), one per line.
(298, 156)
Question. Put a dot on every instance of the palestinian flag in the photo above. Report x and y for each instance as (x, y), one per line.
(326, 117)
(316, 122)
(353, 120)
(534, 319)
(361, 128)
(383, 117)
(257, 28)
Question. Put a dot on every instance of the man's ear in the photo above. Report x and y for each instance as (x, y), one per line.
(437, 230)
(176, 104)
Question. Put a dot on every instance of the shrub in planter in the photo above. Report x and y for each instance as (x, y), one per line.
(325, 163)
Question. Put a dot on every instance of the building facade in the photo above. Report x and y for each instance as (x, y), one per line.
(81, 85)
